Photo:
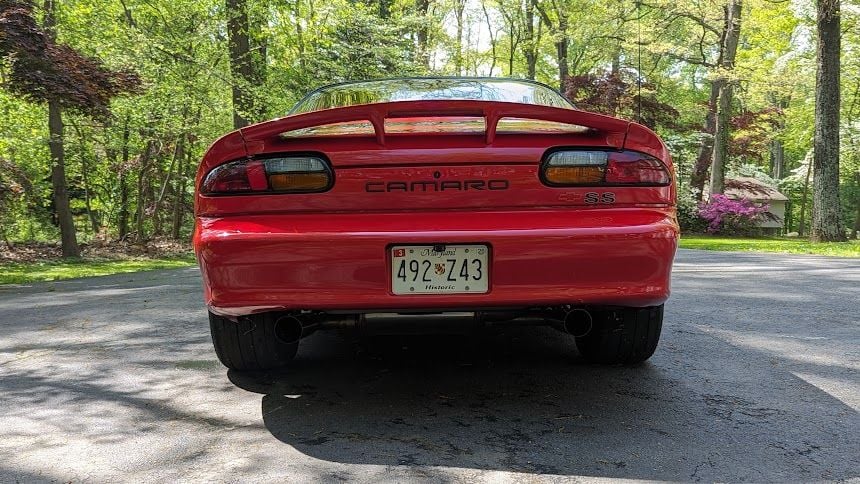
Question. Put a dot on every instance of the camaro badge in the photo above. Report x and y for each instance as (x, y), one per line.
(435, 185)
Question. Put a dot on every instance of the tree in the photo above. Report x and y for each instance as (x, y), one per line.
(422, 50)
(44, 71)
(128, 161)
(560, 33)
(724, 99)
(247, 63)
(826, 211)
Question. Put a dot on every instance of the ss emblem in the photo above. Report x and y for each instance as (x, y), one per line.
(604, 198)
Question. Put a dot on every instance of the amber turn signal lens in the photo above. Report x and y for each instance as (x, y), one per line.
(299, 181)
(574, 175)
(572, 167)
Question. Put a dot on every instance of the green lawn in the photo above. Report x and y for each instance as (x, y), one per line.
(782, 245)
(19, 273)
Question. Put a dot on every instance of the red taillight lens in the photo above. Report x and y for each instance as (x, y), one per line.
(631, 168)
(592, 167)
(299, 174)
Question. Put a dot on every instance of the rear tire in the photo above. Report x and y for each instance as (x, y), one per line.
(250, 343)
(624, 336)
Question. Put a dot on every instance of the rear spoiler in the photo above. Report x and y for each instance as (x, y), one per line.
(616, 133)
(616, 130)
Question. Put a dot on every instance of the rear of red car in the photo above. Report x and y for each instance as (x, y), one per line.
(459, 213)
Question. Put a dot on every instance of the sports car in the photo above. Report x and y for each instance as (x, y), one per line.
(427, 205)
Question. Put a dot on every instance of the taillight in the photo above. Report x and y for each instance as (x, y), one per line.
(593, 167)
(292, 174)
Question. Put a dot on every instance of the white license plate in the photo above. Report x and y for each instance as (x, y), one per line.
(439, 269)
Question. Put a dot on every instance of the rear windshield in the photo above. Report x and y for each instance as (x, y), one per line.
(389, 90)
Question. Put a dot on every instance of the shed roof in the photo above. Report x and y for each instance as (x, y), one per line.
(752, 189)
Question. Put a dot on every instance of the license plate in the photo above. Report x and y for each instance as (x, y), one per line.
(439, 269)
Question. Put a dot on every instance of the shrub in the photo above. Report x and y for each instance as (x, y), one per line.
(688, 211)
(732, 217)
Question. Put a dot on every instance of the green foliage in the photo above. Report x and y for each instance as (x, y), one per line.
(688, 211)
(40, 69)
(130, 174)
(359, 46)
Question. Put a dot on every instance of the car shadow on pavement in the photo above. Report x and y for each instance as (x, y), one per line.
(522, 402)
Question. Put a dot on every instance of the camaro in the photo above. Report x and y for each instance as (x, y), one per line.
(447, 204)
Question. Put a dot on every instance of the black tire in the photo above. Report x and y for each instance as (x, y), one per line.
(250, 343)
(623, 336)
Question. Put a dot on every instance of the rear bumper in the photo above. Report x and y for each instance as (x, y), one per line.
(339, 262)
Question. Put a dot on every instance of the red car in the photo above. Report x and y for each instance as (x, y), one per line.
(444, 204)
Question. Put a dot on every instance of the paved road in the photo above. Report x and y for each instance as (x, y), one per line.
(757, 378)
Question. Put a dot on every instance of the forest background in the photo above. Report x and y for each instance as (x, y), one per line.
(107, 106)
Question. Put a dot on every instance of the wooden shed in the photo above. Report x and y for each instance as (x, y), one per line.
(759, 192)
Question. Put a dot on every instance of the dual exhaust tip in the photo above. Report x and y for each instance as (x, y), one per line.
(289, 329)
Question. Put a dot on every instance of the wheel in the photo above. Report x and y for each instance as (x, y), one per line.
(624, 336)
(250, 343)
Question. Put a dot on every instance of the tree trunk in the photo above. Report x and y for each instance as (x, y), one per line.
(826, 216)
(511, 52)
(777, 159)
(140, 235)
(706, 150)
(531, 42)
(800, 229)
(777, 148)
(123, 184)
(241, 65)
(724, 104)
(423, 7)
(492, 36)
(856, 232)
(721, 139)
(459, 8)
(561, 48)
(140, 217)
(68, 236)
(95, 224)
(94, 219)
(179, 196)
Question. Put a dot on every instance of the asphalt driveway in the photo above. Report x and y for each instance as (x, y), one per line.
(757, 378)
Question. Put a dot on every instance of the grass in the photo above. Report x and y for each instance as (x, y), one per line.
(54, 270)
(771, 244)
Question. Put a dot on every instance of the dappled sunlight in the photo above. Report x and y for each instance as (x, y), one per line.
(846, 389)
(800, 349)
(121, 383)
(59, 298)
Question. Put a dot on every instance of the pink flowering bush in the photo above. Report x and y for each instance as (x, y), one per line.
(730, 216)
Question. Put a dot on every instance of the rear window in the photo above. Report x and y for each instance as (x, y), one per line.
(419, 89)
